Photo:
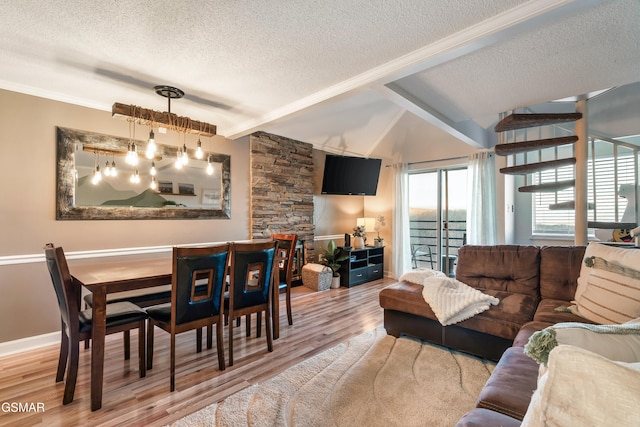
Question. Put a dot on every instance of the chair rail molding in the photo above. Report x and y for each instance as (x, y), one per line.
(329, 237)
(100, 253)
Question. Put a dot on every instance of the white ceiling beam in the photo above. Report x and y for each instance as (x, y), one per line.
(474, 137)
(488, 32)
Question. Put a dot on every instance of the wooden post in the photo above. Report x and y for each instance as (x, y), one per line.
(581, 154)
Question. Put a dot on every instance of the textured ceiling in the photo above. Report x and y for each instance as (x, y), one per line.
(573, 56)
(338, 74)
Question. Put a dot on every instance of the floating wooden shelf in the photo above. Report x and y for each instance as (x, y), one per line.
(611, 225)
(538, 144)
(568, 206)
(522, 121)
(537, 167)
(548, 187)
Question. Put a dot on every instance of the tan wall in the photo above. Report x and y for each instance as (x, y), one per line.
(27, 207)
(333, 214)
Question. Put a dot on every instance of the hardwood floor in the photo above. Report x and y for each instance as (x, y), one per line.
(320, 321)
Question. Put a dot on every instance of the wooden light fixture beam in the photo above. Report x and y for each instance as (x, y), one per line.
(170, 120)
(105, 151)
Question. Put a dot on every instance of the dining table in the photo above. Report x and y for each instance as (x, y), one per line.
(105, 278)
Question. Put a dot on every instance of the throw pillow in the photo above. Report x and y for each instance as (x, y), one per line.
(609, 285)
(581, 388)
(615, 342)
(625, 257)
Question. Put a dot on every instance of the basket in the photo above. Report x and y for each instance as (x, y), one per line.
(316, 277)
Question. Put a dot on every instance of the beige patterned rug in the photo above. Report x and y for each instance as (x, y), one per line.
(371, 380)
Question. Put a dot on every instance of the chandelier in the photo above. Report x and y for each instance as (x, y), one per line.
(136, 115)
(165, 118)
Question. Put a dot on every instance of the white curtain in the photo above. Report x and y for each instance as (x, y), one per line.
(401, 239)
(482, 228)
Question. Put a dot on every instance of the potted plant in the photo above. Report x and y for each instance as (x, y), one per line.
(380, 221)
(359, 233)
(333, 258)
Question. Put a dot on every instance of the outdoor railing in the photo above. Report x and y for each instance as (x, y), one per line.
(424, 234)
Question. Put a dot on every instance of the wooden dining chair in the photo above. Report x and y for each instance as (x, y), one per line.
(142, 298)
(286, 250)
(251, 278)
(193, 269)
(76, 324)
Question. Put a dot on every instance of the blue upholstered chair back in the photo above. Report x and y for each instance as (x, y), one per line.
(286, 248)
(252, 265)
(199, 280)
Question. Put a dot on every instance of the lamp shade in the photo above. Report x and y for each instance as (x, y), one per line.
(368, 223)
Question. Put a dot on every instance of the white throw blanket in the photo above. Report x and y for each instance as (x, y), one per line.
(451, 300)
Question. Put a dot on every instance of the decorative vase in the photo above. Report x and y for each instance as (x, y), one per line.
(358, 242)
(335, 282)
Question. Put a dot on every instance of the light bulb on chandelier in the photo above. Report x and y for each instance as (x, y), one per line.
(209, 166)
(154, 183)
(151, 146)
(135, 177)
(97, 176)
(199, 152)
(153, 171)
(132, 155)
(178, 163)
(185, 156)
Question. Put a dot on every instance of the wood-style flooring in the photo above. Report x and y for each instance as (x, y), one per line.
(320, 321)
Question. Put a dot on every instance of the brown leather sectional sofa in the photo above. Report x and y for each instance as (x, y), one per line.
(530, 282)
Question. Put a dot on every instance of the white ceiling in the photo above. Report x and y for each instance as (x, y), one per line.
(336, 73)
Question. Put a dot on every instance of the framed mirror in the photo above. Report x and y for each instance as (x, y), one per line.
(153, 189)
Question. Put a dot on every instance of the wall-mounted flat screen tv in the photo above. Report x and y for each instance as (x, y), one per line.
(350, 175)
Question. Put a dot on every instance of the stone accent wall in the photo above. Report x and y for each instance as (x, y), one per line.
(282, 188)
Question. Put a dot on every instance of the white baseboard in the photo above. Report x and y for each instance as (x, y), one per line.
(30, 343)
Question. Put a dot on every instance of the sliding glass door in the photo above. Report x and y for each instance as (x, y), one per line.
(437, 217)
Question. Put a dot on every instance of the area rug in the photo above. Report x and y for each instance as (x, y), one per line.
(371, 380)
